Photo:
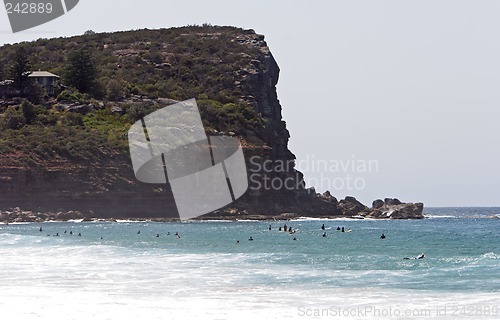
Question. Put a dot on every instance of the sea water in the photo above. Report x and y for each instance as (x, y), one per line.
(123, 270)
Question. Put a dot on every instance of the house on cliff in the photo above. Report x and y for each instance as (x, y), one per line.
(45, 80)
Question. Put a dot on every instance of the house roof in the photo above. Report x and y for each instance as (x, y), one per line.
(42, 74)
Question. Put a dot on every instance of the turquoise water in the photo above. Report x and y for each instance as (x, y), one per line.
(462, 249)
(461, 253)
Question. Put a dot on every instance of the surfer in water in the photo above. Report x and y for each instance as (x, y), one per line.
(270, 228)
(419, 257)
(343, 229)
(323, 227)
(338, 228)
(250, 239)
(382, 236)
(324, 234)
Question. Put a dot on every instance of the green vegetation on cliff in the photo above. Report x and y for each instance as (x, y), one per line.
(113, 79)
(178, 63)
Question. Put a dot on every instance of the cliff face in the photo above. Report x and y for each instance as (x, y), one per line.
(104, 185)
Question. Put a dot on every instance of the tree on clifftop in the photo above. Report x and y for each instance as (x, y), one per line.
(19, 70)
(80, 71)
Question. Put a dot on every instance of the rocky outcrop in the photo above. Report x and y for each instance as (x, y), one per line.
(376, 204)
(388, 208)
(395, 209)
(352, 207)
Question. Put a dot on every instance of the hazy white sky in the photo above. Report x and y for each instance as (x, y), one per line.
(412, 85)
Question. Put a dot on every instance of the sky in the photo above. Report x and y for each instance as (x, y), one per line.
(382, 98)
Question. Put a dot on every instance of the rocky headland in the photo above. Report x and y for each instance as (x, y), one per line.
(70, 161)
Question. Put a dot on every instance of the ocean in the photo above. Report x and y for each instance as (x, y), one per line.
(141, 270)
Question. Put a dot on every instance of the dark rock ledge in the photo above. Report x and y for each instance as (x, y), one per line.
(349, 208)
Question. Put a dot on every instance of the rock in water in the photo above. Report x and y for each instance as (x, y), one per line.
(350, 206)
(395, 209)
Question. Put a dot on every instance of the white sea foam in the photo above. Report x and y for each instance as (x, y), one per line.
(491, 255)
(212, 221)
(15, 223)
(435, 216)
(133, 301)
(355, 218)
(477, 216)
